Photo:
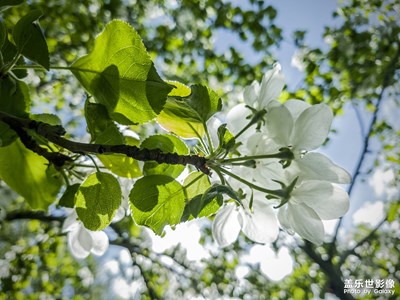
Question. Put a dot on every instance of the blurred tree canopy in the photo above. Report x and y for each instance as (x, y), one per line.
(359, 68)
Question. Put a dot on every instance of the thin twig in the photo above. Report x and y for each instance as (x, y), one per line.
(385, 83)
(361, 242)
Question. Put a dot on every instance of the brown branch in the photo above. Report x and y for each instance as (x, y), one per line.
(53, 134)
(385, 83)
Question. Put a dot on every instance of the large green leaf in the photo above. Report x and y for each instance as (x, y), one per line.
(29, 39)
(120, 75)
(168, 144)
(199, 205)
(186, 116)
(15, 100)
(29, 175)
(97, 200)
(157, 201)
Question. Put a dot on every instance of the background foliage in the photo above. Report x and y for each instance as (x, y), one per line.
(359, 69)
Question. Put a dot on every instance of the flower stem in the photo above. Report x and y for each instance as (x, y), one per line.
(279, 193)
(280, 155)
(208, 139)
(254, 120)
(10, 66)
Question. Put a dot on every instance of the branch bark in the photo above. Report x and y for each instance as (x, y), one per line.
(54, 135)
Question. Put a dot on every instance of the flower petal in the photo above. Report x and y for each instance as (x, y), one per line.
(236, 118)
(296, 107)
(119, 215)
(267, 171)
(74, 245)
(259, 143)
(271, 86)
(260, 226)
(305, 221)
(282, 218)
(316, 166)
(84, 238)
(250, 93)
(279, 125)
(312, 127)
(327, 200)
(226, 227)
(100, 242)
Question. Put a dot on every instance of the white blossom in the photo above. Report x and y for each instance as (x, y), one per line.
(258, 96)
(309, 203)
(81, 241)
(301, 128)
(259, 224)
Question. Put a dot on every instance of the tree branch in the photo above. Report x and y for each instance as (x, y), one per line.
(331, 271)
(361, 242)
(32, 215)
(385, 83)
(54, 134)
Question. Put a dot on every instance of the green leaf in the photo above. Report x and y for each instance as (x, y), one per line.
(120, 75)
(205, 101)
(97, 200)
(68, 198)
(186, 116)
(9, 51)
(6, 4)
(47, 118)
(179, 118)
(120, 164)
(198, 206)
(100, 126)
(179, 89)
(226, 138)
(29, 175)
(29, 39)
(168, 144)
(157, 201)
(15, 100)
(196, 183)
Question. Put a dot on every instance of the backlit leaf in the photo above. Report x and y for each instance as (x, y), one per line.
(29, 39)
(120, 75)
(29, 175)
(198, 206)
(157, 201)
(15, 100)
(186, 116)
(97, 200)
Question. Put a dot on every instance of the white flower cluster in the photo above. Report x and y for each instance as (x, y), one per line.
(297, 128)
